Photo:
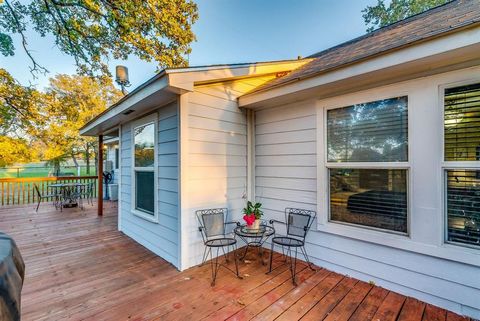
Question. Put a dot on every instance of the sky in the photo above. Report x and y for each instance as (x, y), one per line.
(227, 31)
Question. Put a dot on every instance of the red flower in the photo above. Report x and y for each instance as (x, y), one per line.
(249, 219)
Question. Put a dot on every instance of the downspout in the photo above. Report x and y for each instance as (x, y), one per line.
(250, 155)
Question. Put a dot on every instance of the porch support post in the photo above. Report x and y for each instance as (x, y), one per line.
(100, 176)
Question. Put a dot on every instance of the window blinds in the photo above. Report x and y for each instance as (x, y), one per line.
(462, 123)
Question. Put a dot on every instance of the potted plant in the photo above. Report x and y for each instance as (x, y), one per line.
(252, 215)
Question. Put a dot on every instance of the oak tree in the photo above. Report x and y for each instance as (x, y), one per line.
(70, 102)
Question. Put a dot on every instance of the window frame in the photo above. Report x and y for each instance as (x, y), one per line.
(147, 120)
(451, 165)
(326, 165)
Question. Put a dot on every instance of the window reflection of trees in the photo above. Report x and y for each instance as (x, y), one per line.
(375, 131)
(144, 145)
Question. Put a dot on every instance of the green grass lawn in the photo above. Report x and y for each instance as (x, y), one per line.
(39, 171)
(12, 193)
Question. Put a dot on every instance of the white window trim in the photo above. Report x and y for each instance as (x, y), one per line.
(150, 119)
(446, 165)
(358, 231)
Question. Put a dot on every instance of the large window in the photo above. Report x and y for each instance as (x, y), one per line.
(143, 192)
(462, 164)
(367, 157)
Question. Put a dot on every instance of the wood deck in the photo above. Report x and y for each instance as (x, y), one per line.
(79, 267)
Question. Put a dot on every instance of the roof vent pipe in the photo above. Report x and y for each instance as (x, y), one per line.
(121, 78)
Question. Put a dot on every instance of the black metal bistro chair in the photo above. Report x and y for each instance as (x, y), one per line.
(55, 197)
(298, 223)
(213, 227)
(87, 192)
(77, 193)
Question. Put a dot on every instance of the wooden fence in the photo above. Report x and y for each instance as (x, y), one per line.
(16, 191)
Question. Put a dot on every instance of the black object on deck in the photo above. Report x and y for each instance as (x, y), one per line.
(12, 274)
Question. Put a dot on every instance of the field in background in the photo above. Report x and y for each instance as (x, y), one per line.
(40, 170)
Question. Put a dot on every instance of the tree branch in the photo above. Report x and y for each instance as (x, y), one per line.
(36, 67)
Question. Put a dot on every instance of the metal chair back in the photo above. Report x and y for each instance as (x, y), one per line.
(212, 222)
(37, 191)
(92, 187)
(299, 221)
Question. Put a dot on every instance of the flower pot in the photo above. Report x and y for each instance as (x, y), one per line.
(255, 225)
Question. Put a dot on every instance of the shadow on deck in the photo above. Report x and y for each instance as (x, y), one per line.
(79, 267)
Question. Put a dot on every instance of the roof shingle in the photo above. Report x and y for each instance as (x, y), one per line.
(432, 23)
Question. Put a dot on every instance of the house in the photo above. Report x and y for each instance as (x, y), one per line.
(379, 135)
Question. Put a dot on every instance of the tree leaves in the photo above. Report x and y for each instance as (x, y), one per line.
(14, 150)
(70, 102)
(53, 118)
(18, 105)
(380, 15)
(93, 31)
(6, 45)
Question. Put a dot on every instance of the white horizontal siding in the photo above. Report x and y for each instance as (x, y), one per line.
(162, 237)
(217, 156)
(286, 170)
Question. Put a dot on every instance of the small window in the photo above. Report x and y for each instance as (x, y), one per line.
(373, 192)
(462, 164)
(144, 169)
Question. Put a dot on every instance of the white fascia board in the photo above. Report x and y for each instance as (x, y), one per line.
(187, 78)
(422, 50)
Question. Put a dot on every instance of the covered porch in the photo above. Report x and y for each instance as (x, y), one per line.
(79, 267)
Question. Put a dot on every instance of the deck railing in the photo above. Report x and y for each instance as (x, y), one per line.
(16, 191)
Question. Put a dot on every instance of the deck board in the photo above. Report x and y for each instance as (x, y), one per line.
(370, 304)
(412, 310)
(79, 267)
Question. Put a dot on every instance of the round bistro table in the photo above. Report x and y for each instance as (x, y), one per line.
(254, 237)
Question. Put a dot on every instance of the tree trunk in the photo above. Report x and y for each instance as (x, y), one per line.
(74, 159)
(87, 158)
(95, 154)
(56, 167)
(76, 163)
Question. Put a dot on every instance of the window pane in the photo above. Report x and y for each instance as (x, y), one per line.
(370, 197)
(463, 206)
(370, 132)
(462, 123)
(144, 189)
(144, 145)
